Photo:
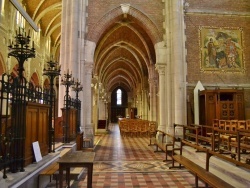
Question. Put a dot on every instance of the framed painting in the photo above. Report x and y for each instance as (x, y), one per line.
(221, 49)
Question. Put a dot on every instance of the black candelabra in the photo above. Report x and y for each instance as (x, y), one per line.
(52, 71)
(67, 80)
(22, 51)
(77, 88)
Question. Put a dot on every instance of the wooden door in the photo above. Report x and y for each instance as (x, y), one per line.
(227, 110)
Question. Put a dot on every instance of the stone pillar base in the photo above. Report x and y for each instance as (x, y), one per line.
(89, 133)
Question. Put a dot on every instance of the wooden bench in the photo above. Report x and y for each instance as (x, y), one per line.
(198, 135)
(199, 172)
(206, 134)
(49, 171)
(240, 144)
(191, 133)
(166, 143)
(52, 169)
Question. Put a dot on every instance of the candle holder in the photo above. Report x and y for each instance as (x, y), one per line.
(77, 88)
(67, 80)
(52, 71)
(21, 49)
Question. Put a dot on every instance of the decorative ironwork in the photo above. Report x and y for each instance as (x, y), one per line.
(13, 119)
(21, 49)
(67, 80)
(77, 88)
(52, 71)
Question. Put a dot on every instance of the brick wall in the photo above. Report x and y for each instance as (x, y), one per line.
(97, 9)
(217, 14)
(220, 5)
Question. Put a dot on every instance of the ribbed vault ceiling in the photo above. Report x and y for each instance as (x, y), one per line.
(47, 14)
(123, 53)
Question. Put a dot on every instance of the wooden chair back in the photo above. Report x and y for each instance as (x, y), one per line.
(248, 124)
(241, 124)
(234, 125)
(215, 123)
(228, 125)
(222, 124)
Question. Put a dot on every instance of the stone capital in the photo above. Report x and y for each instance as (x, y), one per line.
(160, 67)
(88, 66)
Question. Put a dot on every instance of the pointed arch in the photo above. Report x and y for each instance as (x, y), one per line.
(2, 64)
(114, 16)
(34, 79)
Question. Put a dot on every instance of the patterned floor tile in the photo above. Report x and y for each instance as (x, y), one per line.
(129, 162)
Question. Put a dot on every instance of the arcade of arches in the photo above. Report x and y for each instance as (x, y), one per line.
(167, 61)
(156, 52)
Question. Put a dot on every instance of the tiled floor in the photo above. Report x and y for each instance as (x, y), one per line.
(124, 162)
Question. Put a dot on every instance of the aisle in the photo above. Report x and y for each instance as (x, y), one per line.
(124, 162)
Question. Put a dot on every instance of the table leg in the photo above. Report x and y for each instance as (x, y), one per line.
(67, 176)
(90, 174)
(60, 177)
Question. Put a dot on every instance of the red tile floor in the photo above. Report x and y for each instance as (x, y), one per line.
(124, 162)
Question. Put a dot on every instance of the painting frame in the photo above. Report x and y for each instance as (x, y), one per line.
(221, 49)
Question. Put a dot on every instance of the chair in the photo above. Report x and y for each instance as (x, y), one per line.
(234, 125)
(222, 124)
(241, 124)
(143, 128)
(215, 125)
(125, 128)
(247, 139)
(133, 128)
(248, 124)
(224, 137)
(152, 130)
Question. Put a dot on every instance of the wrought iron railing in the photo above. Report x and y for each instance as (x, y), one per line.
(15, 93)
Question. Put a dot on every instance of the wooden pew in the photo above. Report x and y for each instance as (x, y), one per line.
(166, 143)
(229, 134)
(49, 171)
(241, 144)
(199, 172)
(211, 138)
(52, 170)
(191, 132)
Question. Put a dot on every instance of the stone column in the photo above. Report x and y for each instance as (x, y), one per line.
(144, 105)
(153, 85)
(87, 102)
(69, 45)
(179, 71)
(160, 67)
(81, 55)
(63, 53)
(74, 28)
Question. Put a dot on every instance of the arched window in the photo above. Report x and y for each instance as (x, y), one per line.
(119, 97)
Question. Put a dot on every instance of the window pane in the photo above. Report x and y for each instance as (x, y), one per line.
(119, 97)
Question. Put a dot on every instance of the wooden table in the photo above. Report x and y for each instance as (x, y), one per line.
(76, 159)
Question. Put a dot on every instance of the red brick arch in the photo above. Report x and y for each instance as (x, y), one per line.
(2, 64)
(114, 16)
(46, 83)
(34, 79)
